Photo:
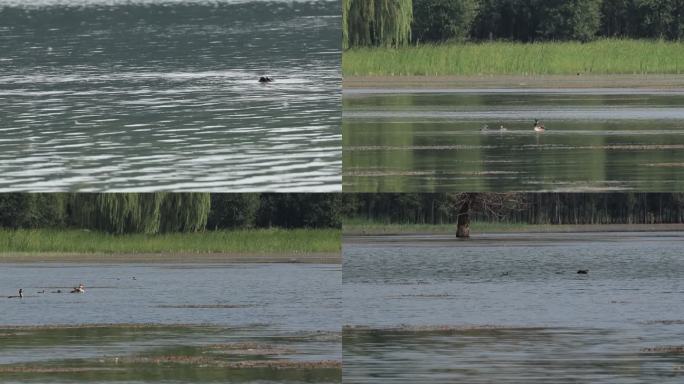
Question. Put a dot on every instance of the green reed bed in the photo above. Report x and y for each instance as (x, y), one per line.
(603, 57)
(362, 226)
(271, 241)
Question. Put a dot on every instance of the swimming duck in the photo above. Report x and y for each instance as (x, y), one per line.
(583, 272)
(20, 296)
(502, 128)
(265, 79)
(79, 289)
(484, 128)
(538, 126)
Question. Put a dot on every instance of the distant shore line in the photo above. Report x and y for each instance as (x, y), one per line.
(171, 258)
(402, 83)
(492, 228)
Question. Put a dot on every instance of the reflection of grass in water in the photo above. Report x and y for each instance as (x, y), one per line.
(608, 56)
(187, 360)
(239, 241)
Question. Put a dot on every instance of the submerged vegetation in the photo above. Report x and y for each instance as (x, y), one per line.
(246, 241)
(608, 56)
(158, 352)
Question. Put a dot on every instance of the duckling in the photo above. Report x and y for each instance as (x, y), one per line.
(583, 272)
(538, 126)
(265, 79)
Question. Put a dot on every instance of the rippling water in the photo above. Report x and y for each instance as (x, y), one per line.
(512, 308)
(163, 95)
(430, 140)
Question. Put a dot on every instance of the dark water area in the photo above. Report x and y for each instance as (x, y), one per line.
(161, 95)
(512, 308)
(427, 141)
(200, 322)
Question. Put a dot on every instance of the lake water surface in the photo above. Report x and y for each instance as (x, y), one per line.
(163, 95)
(192, 315)
(430, 140)
(512, 308)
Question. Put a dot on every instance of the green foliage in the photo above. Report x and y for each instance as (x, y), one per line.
(32, 210)
(663, 19)
(122, 213)
(376, 22)
(392, 209)
(117, 212)
(501, 58)
(233, 210)
(184, 212)
(439, 20)
(568, 19)
(291, 210)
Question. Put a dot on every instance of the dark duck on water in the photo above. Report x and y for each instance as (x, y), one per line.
(265, 79)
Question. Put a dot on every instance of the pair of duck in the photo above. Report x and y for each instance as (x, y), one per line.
(538, 127)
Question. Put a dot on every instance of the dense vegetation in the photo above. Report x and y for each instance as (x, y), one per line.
(151, 213)
(397, 22)
(544, 208)
(241, 241)
(606, 56)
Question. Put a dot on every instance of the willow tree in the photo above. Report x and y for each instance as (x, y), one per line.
(117, 212)
(376, 22)
(184, 212)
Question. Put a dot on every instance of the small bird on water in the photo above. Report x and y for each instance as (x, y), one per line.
(583, 272)
(79, 289)
(20, 296)
(265, 79)
(538, 126)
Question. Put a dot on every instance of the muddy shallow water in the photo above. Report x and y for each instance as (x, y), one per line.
(201, 323)
(512, 308)
(424, 140)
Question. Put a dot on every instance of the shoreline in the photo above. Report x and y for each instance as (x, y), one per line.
(172, 258)
(654, 83)
(530, 229)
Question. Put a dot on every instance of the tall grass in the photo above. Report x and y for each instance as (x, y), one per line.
(364, 226)
(607, 56)
(270, 241)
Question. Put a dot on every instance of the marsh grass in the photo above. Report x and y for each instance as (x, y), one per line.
(272, 241)
(606, 56)
(362, 226)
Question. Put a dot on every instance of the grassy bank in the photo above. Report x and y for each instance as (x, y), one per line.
(360, 226)
(256, 241)
(608, 56)
(366, 227)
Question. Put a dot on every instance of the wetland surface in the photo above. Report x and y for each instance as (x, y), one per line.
(173, 323)
(512, 308)
(427, 140)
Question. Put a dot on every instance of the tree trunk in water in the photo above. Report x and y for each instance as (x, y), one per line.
(463, 224)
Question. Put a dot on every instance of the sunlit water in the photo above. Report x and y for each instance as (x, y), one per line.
(163, 95)
(430, 140)
(599, 327)
(236, 302)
